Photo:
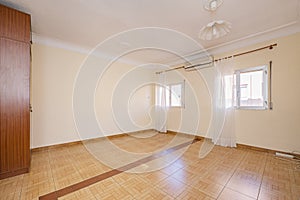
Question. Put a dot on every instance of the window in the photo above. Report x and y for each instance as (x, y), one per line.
(175, 95)
(252, 88)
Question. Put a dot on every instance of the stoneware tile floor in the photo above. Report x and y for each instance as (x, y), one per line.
(152, 165)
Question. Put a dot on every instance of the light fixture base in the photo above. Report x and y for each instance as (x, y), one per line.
(212, 5)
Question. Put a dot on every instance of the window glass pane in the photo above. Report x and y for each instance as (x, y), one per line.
(176, 95)
(251, 88)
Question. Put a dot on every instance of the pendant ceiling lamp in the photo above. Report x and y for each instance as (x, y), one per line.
(214, 30)
(212, 5)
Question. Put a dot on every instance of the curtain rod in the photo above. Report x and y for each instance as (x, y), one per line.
(220, 59)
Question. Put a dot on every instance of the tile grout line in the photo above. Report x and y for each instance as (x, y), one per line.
(124, 188)
(55, 187)
(90, 181)
(170, 176)
(164, 152)
(73, 165)
(155, 186)
(294, 169)
(212, 166)
(233, 174)
(262, 176)
(20, 194)
(226, 182)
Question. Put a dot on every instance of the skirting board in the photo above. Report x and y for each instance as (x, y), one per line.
(198, 137)
(240, 146)
(45, 148)
(271, 151)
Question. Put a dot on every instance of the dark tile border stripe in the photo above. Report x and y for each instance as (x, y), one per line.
(88, 182)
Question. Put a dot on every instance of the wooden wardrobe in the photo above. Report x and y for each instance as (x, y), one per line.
(15, 41)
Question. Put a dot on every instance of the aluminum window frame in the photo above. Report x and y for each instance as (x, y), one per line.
(169, 88)
(265, 89)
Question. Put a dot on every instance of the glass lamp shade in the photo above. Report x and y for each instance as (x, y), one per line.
(214, 30)
(212, 5)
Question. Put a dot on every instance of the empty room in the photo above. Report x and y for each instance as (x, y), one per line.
(140, 99)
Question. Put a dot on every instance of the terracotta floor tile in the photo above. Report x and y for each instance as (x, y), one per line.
(10, 196)
(185, 176)
(193, 194)
(228, 194)
(172, 187)
(154, 177)
(11, 185)
(271, 195)
(198, 170)
(79, 195)
(296, 191)
(65, 181)
(217, 177)
(90, 171)
(209, 188)
(276, 186)
(227, 173)
(123, 177)
(136, 186)
(108, 183)
(96, 190)
(170, 169)
(246, 183)
(116, 192)
(154, 194)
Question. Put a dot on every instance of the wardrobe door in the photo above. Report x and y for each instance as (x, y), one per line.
(14, 24)
(14, 107)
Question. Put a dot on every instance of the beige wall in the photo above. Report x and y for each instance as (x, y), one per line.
(277, 129)
(123, 103)
(195, 116)
(53, 74)
(54, 71)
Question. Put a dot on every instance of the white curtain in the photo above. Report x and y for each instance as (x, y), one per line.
(160, 104)
(223, 105)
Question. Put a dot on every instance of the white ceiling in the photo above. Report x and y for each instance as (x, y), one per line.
(85, 23)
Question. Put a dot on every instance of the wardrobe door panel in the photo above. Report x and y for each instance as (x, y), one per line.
(14, 24)
(14, 105)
